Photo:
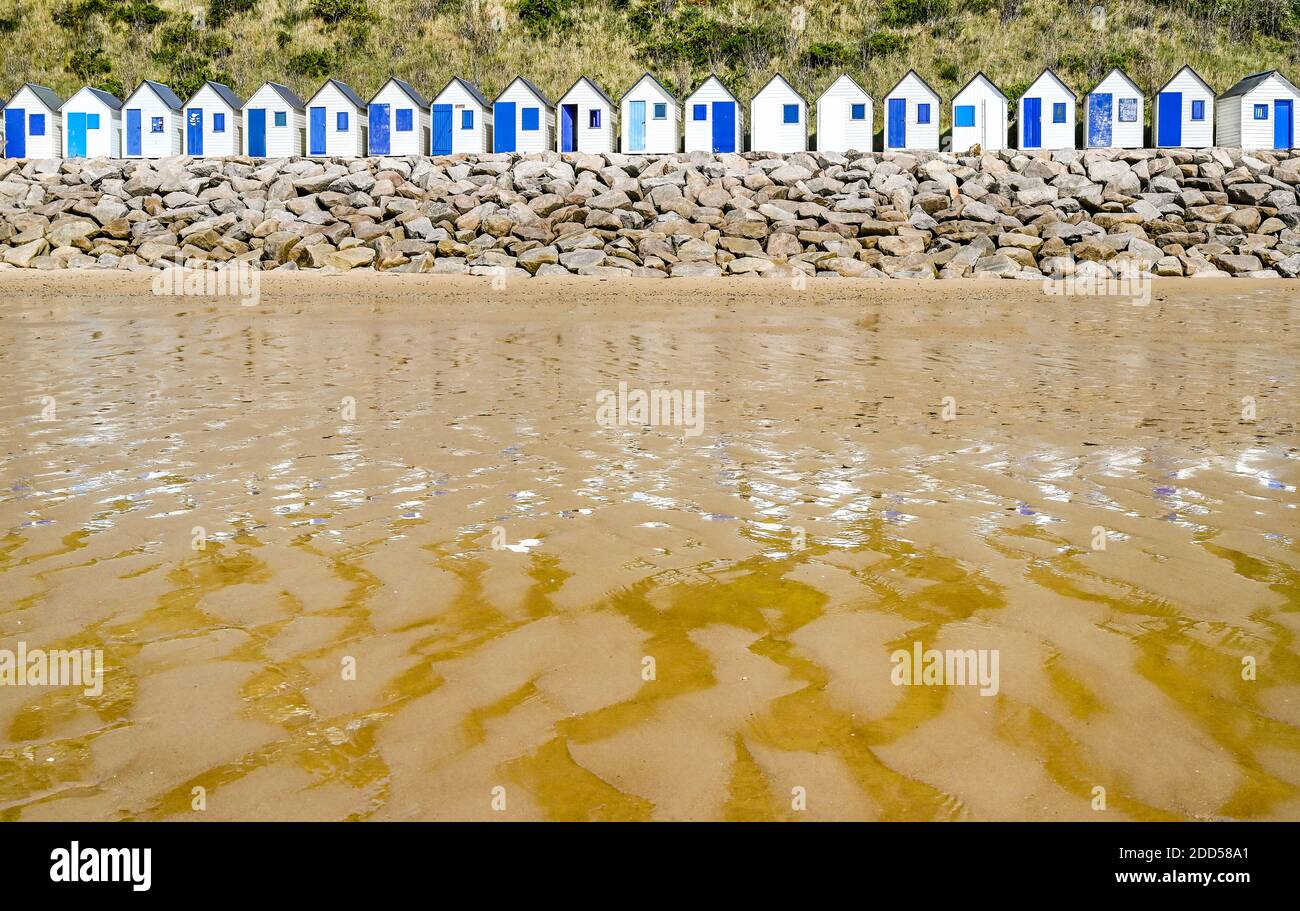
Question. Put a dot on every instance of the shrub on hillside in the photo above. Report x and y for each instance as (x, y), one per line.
(900, 13)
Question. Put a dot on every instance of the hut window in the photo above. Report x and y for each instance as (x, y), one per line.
(405, 122)
(281, 118)
(1128, 110)
(922, 113)
(467, 120)
(1058, 112)
(36, 124)
(530, 119)
(859, 112)
(661, 111)
(1261, 112)
(593, 118)
(790, 113)
(964, 115)
(701, 112)
(1198, 110)
(218, 123)
(341, 122)
(92, 121)
(155, 125)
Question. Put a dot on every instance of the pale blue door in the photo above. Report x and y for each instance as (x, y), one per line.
(636, 122)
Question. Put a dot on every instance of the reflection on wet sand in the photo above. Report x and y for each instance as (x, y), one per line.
(677, 627)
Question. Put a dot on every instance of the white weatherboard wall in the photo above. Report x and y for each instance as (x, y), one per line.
(837, 131)
(49, 145)
(414, 141)
(476, 140)
(918, 135)
(347, 143)
(699, 133)
(1125, 100)
(769, 131)
(104, 141)
(661, 133)
(988, 107)
(281, 141)
(215, 145)
(596, 140)
(1238, 126)
(541, 139)
(1050, 92)
(163, 144)
(1196, 134)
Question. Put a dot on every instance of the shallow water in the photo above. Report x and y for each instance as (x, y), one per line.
(202, 505)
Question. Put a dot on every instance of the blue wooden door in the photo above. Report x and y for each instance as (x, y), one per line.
(503, 126)
(77, 134)
(194, 131)
(257, 132)
(133, 131)
(568, 128)
(724, 126)
(441, 140)
(380, 138)
(1031, 131)
(316, 133)
(15, 133)
(636, 125)
(1282, 133)
(897, 118)
(1099, 108)
(1169, 119)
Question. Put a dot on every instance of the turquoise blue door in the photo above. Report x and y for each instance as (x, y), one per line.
(257, 132)
(1169, 119)
(636, 124)
(441, 139)
(133, 144)
(316, 133)
(194, 132)
(380, 143)
(77, 134)
(15, 133)
(1282, 132)
(724, 126)
(503, 126)
(897, 117)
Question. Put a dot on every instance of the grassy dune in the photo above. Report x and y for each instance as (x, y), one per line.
(116, 43)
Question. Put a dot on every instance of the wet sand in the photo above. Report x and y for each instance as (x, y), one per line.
(336, 540)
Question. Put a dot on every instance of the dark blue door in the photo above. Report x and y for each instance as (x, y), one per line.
(15, 133)
(77, 134)
(503, 126)
(257, 132)
(1282, 111)
(897, 118)
(724, 126)
(133, 131)
(1031, 131)
(568, 128)
(194, 131)
(1099, 108)
(316, 133)
(1169, 119)
(379, 135)
(442, 129)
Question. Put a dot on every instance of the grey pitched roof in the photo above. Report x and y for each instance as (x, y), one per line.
(407, 90)
(776, 76)
(1190, 70)
(532, 88)
(591, 82)
(345, 89)
(1253, 80)
(918, 76)
(730, 93)
(165, 95)
(1051, 72)
(287, 95)
(224, 93)
(662, 87)
(46, 96)
(986, 79)
(111, 100)
(1123, 75)
(467, 86)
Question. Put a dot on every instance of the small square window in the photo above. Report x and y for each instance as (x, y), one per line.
(531, 119)
(1261, 112)
(341, 122)
(218, 123)
(790, 113)
(701, 112)
(1058, 112)
(593, 118)
(155, 124)
(963, 115)
(405, 120)
(922, 113)
(36, 124)
(92, 121)
(282, 118)
(859, 112)
(661, 111)
(1128, 110)
(1198, 110)
(467, 120)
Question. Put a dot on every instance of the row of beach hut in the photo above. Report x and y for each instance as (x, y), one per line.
(1257, 113)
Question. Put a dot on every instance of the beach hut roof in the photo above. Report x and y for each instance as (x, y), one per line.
(1123, 75)
(223, 92)
(47, 96)
(467, 86)
(662, 87)
(837, 79)
(1253, 80)
(776, 76)
(345, 89)
(407, 89)
(287, 95)
(111, 101)
(1209, 88)
(1059, 81)
(972, 79)
(164, 94)
(716, 78)
(929, 87)
(532, 88)
(595, 87)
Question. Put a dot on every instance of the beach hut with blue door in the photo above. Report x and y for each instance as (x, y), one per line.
(845, 118)
(778, 118)
(399, 120)
(151, 122)
(912, 115)
(650, 118)
(585, 119)
(714, 120)
(1258, 112)
(275, 123)
(1045, 114)
(92, 125)
(462, 120)
(1113, 116)
(33, 128)
(523, 119)
(979, 116)
(213, 122)
(1184, 115)
(336, 122)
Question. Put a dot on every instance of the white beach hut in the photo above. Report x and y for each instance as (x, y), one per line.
(275, 123)
(399, 120)
(650, 118)
(336, 122)
(584, 116)
(1258, 113)
(1184, 114)
(523, 119)
(979, 116)
(1113, 116)
(213, 120)
(912, 115)
(778, 118)
(151, 122)
(714, 120)
(92, 125)
(845, 118)
(33, 127)
(1046, 114)
(462, 120)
